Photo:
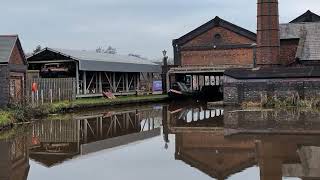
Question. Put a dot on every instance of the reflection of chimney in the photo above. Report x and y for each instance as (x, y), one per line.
(268, 41)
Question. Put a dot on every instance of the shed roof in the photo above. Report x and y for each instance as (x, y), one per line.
(6, 47)
(309, 35)
(93, 61)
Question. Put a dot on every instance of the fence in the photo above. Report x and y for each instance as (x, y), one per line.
(49, 90)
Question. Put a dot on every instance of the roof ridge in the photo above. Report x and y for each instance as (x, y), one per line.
(8, 35)
(217, 21)
(308, 16)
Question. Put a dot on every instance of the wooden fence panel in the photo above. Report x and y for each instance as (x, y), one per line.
(51, 90)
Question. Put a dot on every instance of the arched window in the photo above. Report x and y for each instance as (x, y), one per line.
(217, 39)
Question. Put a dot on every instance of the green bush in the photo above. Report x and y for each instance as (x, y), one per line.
(5, 118)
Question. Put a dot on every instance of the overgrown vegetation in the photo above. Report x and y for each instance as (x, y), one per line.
(6, 118)
(291, 101)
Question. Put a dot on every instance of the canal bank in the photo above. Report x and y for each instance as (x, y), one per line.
(10, 116)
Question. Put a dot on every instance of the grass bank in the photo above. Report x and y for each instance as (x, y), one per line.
(25, 113)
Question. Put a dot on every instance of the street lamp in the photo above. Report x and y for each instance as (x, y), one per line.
(164, 52)
(164, 71)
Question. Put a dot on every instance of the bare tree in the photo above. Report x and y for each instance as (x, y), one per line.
(38, 49)
(109, 50)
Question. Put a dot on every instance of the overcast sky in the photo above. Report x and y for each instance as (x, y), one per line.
(143, 27)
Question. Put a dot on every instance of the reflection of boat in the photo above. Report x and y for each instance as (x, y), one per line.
(179, 90)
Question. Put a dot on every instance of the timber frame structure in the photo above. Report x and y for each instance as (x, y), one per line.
(200, 75)
(96, 73)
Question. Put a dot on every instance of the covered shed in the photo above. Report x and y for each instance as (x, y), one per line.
(94, 72)
(13, 67)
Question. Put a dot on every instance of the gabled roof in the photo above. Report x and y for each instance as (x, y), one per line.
(307, 17)
(93, 61)
(7, 44)
(216, 22)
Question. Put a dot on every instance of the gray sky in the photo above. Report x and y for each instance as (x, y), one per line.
(144, 27)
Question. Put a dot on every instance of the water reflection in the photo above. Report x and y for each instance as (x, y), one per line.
(219, 142)
(282, 143)
(14, 160)
(55, 141)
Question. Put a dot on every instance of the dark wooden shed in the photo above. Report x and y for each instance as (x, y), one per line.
(13, 67)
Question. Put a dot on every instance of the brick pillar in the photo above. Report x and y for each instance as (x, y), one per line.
(268, 40)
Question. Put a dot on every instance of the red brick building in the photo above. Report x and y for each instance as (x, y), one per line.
(218, 42)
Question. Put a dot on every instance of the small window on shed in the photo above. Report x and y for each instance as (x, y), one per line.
(217, 38)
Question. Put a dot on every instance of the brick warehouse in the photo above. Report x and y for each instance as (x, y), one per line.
(222, 45)
(273, 78)
(13, 66)
(219, 42)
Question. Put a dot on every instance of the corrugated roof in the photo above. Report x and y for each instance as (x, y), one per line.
(309, 33)
(6, 47)
(93, 61)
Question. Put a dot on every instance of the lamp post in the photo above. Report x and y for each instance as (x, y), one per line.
(164, 71)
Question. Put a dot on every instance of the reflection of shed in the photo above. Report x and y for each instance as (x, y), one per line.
(14, 160)
(13, 66)
(57, 141)
(96, 72)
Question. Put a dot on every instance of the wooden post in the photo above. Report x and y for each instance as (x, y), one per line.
(41, 96)
(50, 96)
(37, 96)
(77, 79)
(100, 83)
(97, 84)
(138, 81)
(59, 94)
(32, 97)
(127, 82)
(84, 82)
(114, 82)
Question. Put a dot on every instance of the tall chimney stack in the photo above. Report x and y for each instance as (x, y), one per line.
(268, 39)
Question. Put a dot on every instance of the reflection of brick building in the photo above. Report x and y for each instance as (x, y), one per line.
(13, 67)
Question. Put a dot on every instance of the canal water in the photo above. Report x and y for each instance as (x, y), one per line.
(179, 140)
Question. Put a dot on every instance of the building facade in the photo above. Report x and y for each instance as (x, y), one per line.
(13, 67)
(218, 42)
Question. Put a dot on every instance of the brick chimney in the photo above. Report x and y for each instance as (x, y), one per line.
(268, 39)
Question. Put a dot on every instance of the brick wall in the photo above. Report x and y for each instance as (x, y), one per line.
(237, 91)
(4, 85)
(16, 57)
(221, 55)
(227, 37)
(240, 56)
(288, 51)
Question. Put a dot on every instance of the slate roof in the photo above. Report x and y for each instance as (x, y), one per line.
(307, 17)
(274, 73)
(93, 61)
(6, 47)
(309, 35)
(217, 21)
